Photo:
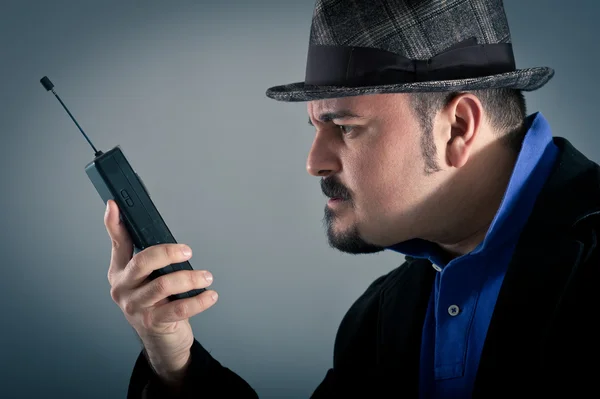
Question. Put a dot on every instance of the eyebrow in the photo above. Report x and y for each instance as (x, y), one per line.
(329, 116)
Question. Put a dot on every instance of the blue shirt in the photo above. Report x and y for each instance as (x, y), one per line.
(466, 288)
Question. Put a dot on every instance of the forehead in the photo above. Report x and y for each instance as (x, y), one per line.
(367, 106)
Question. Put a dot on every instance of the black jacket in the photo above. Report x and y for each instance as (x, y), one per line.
(543, 339)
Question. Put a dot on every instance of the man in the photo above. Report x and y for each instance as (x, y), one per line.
(423, 146)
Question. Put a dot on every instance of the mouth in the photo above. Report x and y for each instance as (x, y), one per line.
(335, 201)
(335, 192)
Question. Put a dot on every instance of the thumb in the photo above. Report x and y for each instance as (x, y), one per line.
(122, 245)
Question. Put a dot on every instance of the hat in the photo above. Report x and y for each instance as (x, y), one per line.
(359, 47)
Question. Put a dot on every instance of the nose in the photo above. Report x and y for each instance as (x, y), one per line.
(322, 159)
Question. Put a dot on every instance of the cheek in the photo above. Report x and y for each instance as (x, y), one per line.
(386, 177)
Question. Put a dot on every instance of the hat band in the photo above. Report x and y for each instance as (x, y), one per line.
(365, 66)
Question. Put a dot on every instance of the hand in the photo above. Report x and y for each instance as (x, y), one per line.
(163, 326)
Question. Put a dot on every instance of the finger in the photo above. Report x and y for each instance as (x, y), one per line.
(153, 258)
(154, 292)
(122, 246)
(181, 309)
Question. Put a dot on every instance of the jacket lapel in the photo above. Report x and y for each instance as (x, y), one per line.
(546, 254)
(403, 304)
(528, 297)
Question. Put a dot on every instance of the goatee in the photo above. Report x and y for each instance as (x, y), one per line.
(349, 241)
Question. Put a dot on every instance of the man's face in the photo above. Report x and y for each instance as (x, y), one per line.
(372, 165)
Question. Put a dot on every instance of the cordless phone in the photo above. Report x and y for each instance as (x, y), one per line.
(114, 178)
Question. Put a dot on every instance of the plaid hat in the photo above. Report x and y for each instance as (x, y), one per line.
(359, 47)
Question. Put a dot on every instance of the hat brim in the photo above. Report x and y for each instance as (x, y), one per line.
(527, 79)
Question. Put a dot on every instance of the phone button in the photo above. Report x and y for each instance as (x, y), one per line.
(129, 202)
(124, 194)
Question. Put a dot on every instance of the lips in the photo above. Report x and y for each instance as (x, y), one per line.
(337, 198)
(334, 201)
(334, 190)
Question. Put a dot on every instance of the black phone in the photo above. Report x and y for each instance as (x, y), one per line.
(113, 177)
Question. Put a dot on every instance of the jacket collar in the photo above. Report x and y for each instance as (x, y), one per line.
(572, 192)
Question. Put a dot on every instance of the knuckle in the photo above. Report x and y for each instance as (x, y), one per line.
(129, 308)
(114, 294)
(193, 278)
(182, 310)
(172, 251)
(111, 275)
(201, 302)
(147, 319)
(161, 285)
(136, 264)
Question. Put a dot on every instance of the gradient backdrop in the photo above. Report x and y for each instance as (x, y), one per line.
(180, 86)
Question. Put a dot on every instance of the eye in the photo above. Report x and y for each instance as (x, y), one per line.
(343, 127)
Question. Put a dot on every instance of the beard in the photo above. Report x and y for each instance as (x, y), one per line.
(348, 241)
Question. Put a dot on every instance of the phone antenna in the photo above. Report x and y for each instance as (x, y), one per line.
(50, 87)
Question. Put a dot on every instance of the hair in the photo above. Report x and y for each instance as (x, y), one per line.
(505, 108)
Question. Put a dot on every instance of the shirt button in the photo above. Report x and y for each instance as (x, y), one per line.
(453, 310)
(436, 267)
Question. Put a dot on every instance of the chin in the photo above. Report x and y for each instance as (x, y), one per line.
(345, 236)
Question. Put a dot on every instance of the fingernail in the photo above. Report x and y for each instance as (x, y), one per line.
(107, 207)
(186, 250)
(208, 277)
(214, 296)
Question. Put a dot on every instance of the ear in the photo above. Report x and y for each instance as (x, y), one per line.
(462, 119)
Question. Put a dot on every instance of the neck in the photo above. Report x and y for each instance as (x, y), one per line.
(478, 194)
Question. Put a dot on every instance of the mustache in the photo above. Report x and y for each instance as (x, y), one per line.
(332, 188)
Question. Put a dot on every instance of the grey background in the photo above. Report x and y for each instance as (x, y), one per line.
(180, 86)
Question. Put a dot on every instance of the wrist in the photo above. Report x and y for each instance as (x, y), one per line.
(172, 371)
